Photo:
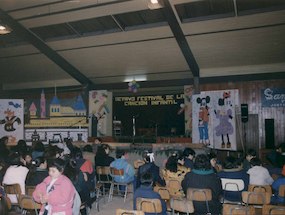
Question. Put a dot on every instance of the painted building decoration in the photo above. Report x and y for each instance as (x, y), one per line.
(12, 119)
(56, 116)
(214, 119)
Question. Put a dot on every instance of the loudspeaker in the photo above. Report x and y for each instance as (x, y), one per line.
(244, 112)
(269, 134)
(94, 126)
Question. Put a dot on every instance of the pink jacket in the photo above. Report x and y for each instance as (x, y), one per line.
(60, 198)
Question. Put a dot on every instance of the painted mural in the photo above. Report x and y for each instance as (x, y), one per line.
(100, 109)
(187, 109)
(48, 119)
(214, 119)
(11, 119)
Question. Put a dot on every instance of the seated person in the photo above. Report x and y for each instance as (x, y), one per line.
(173, 171)
(38, 171)
(203, 177)
(251, 153)
(232, 169)
(189, 155)
(121, 163)
(149, 166)
(258, 175)
(276, 199)
(146, 191)
(277, 157)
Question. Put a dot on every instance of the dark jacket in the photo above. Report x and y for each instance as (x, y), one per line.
(37, 177)
(147, 192)
(103, 160)
(154, 170)
(188, 163)
(204, 179)
(235, 195)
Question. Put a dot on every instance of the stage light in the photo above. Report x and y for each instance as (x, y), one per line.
(155, 4)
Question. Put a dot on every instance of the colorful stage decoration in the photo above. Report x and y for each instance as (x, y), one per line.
(100, 109)
(53, 116)
(12, 119)
(214, 119)
(133, 86)
(187, 109)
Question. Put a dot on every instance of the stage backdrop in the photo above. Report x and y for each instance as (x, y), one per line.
(12, 119)
(214, 118)
(100, 108)
(154, 114)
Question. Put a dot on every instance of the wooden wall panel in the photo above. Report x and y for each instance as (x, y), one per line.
(250, 93)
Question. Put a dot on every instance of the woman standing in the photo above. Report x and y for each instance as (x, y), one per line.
(56, 192)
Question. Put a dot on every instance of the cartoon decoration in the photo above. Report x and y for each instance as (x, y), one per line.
(100, 103)
(204, 119)
(214, 122)
(133, 86)
(224, 114)
(11, 120)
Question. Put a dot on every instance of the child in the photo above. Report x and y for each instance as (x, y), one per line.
(258, 175)
(251, 153)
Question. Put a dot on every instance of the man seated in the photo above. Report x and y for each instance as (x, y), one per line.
(146, 191)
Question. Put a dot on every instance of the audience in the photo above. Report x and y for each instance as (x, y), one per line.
(16, 174)
(251, 153)
(56, 192)
(232, 169)
(102, 157)
(146, 191)
(258, 175)
(87, 153)
(189, 155)
(38, 171)
(38, 149)
(4, 151)
(121, 163)
(149, 166)
(172, 172)
(203, 177)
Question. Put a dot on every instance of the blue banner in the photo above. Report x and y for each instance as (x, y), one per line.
(273, 97)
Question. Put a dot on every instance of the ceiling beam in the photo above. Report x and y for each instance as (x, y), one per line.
(181, 39)
(28, 35)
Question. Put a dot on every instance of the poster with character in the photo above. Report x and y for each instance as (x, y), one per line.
(214, 119)
(12, 120)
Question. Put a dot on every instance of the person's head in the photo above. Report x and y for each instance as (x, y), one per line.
(189, 153)
(87, 148)
(98, 140)
(148, 156)
(40, 162)
(27, 158)
(56, 168)
(15, 159)
(202, 162)
(39, 146)
(230, 163)
(171, 163)
(4, 140)
(22, 146)
(281, 148)
(120, 153)
(77, 153)
(106, 148)
(146, 179)
(255, 162)
(251, 153)
(212, 158)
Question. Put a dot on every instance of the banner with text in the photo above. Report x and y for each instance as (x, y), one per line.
(273, 97)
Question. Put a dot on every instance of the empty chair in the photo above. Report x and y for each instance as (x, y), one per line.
(149, 205)
(200, 195)
(259, 188)
(120, 211)
(181, 205)
(229, 209)
(163, 192)
(256, 198)
(273, 210)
